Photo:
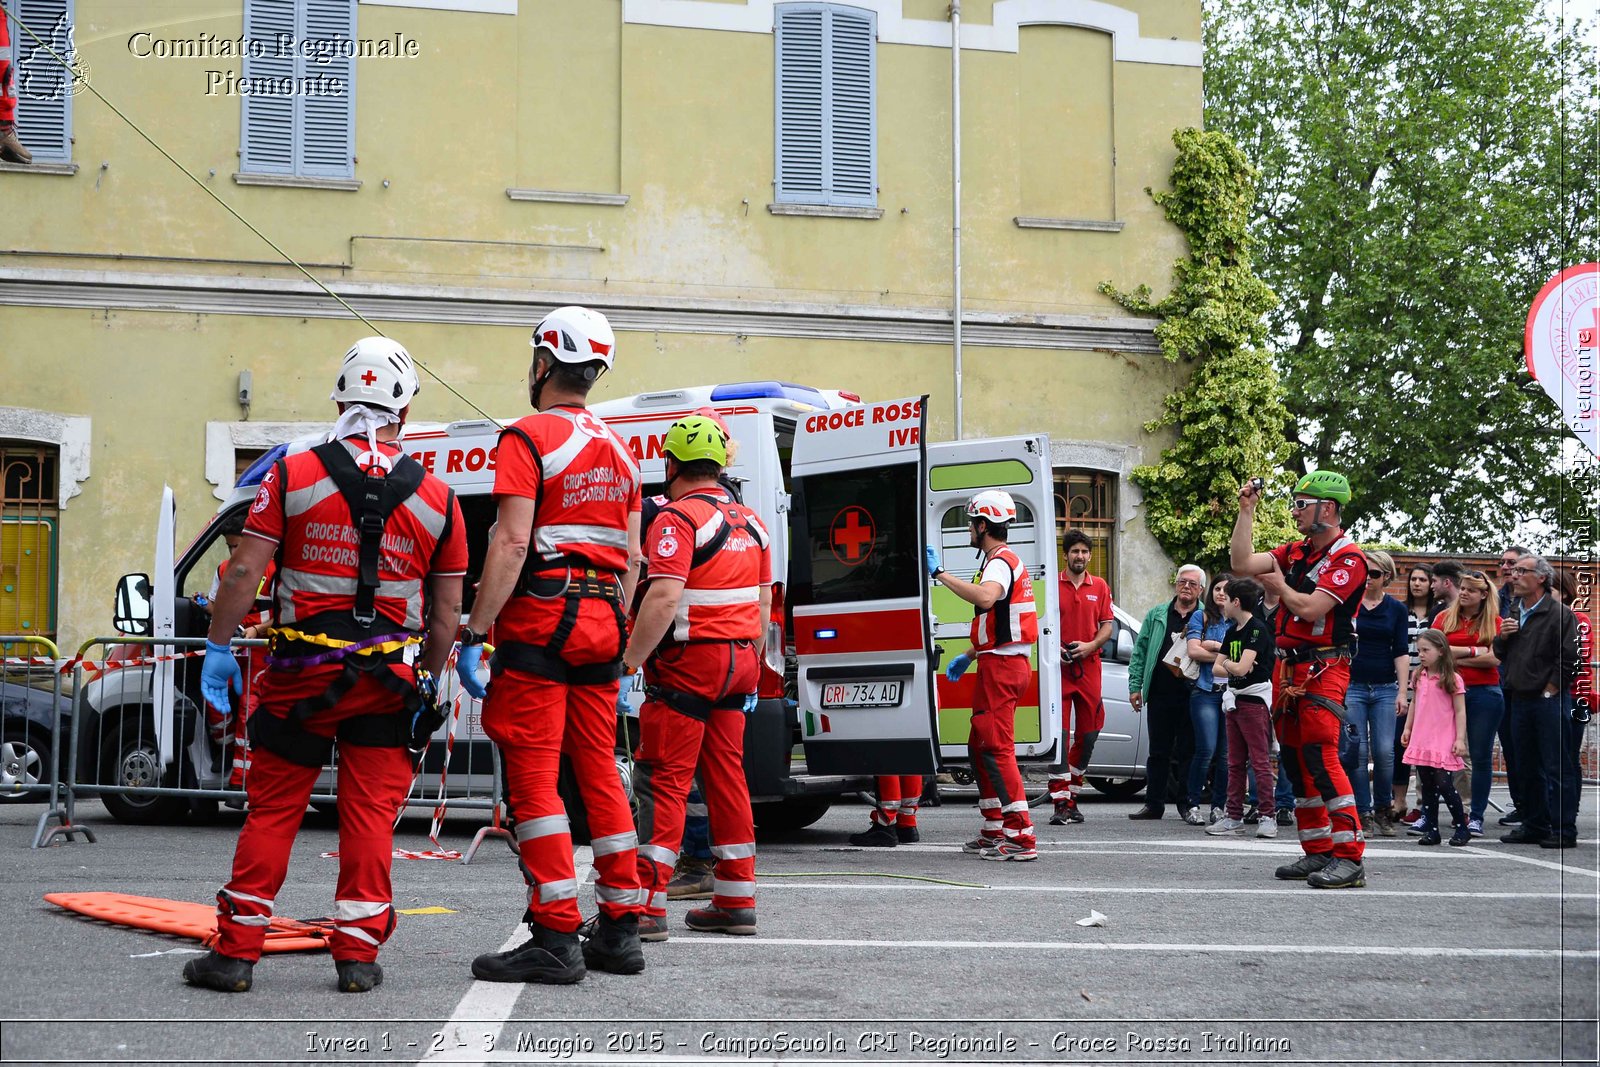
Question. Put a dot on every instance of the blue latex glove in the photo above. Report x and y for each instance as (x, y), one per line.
(220, 673)
(467, 660)
(934, 562)
(749, 704)
(958, 667)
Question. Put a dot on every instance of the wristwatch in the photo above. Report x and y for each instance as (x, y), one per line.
(937, 571)
(468, 636)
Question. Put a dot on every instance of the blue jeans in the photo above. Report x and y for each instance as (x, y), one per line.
(1542, 728)
(1370, 707)
(1486, 706)
(1210, 742)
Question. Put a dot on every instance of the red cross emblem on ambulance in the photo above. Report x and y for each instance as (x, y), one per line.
(853, 535)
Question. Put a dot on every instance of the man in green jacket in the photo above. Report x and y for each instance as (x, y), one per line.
(1160, 692)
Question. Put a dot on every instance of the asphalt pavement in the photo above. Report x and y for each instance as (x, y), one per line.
(1485, 954)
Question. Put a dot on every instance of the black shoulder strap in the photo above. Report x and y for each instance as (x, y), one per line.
(703, 554)
(538, 461)
(372, 498)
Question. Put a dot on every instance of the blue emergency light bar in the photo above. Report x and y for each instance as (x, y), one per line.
(804, 394)
(258, 470)
(825, 635)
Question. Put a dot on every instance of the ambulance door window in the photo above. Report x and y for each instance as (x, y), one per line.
(205, 558)
(479, 511)
(860, 531)
(962, 559)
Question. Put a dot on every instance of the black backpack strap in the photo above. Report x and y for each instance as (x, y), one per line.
(372, 498)
(703, 554)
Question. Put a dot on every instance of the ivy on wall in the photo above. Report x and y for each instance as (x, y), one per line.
(1230, 415)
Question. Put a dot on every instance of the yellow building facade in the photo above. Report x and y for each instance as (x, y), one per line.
(486, 160)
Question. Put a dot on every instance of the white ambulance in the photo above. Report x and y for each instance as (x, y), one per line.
(851, 492)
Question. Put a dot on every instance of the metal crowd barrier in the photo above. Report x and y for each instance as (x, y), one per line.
(149, 765)
(35, 732)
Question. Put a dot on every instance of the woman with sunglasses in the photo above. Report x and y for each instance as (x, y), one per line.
(1207, 627)
(1471, 624)
(1379, 673)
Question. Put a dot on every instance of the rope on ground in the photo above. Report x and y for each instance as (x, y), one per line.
(871, 874)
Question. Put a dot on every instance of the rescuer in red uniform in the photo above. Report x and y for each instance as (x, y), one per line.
(1005, 626)
(1086, 623)
(558, 574)
(1318, 582)
(699, 636)
(370, 550)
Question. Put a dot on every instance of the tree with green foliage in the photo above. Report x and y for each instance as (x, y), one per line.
(1426, 166)
(1230, 414)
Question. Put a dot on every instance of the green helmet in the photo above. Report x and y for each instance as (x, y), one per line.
(1324, 485)
(696, 437)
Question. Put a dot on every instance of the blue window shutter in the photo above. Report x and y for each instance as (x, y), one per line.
(852, 130)
(43, 88)
(826, 124)
(267, 125)
(327, 126)
(800, 104)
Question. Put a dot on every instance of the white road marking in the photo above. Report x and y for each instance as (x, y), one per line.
(899, 885)
(1565, 868)
(1447, 951)
(484, 1009)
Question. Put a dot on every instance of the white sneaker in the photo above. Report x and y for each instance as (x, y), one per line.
(1267, 828)
(1226, 825)
(1194, 818)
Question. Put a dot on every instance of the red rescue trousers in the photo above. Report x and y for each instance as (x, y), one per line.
(8, 95)
(1083, 715)
(1002, 680)
(1308, 742)
(671, 745)
(373, 783)
(535, 720)
(899, 796)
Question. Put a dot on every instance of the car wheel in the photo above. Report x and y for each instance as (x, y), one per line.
(1118, 788)
(791, 813)
(129, 758)
(24, 762)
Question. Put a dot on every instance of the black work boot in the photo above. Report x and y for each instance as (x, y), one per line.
(1304, 867)
(877, 836)
(1340, 874)
(906, 835)
(612, 945)
(225, 974)
(549, 957)
(357, 977)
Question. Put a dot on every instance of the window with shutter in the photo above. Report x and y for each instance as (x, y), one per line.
(303, 132)
(42, 86)
(826, 91)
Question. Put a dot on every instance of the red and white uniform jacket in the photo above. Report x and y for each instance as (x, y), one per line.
(299, 508)
(1011, 626)
(723, 556)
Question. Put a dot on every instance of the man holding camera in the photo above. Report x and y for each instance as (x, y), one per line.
(1086, 625)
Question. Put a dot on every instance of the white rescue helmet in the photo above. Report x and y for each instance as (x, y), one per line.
(577, 335)
(377, 372)
(994, 505)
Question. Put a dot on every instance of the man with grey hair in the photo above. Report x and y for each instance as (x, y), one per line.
(1508, 563)
(1161, 692)
(1539, 657)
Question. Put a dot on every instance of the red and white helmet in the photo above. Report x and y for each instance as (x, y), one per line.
(995, 505)
(575, 334)
(378, 372)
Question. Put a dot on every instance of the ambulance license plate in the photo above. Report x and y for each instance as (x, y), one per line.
(861, 694)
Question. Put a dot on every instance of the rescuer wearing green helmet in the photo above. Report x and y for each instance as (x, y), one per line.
(699, 632)
(1319, 582)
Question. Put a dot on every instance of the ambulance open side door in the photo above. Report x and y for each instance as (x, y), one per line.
(957, 470)
(859, 593)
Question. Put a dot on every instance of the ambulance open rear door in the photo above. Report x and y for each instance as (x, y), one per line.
(861, 617)
(956, 471)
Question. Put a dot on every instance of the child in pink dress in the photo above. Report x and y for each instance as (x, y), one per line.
(1436, 734)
